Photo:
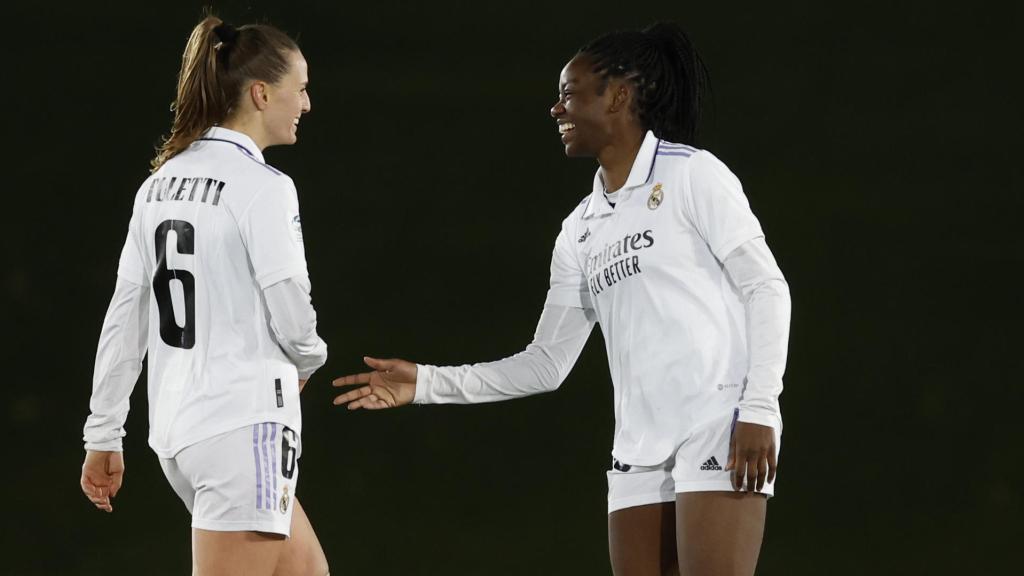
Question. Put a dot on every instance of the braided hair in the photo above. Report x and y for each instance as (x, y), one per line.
(670, 78)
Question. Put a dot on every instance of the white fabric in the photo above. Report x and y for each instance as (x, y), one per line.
(293, 320)
(122, 347)
(697, 466)
(239, 480)
(765, 294)
(675, 325)
(230, 226)
(561, 333)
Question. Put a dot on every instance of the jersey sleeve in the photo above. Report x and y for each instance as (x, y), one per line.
(119, 354)
(765, 295)
(561, 334)
(131, 266)
(272, 232)
(568, 283)
(716, 206)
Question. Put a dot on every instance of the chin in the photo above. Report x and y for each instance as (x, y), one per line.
(573, 150)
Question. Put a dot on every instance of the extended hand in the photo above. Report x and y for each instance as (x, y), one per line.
(391, 384)
(752, 456)
(102, 474)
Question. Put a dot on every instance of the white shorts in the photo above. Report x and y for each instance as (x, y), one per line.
(239, 480)
(697, 466)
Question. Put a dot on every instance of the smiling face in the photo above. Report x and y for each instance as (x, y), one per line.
(287, 101)
(583, 110)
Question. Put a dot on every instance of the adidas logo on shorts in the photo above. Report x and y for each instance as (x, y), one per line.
(711, 464)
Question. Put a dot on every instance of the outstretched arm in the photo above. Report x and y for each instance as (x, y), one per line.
(541, 367)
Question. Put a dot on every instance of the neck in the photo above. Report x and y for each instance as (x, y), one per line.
(248, 126)
(617, 159)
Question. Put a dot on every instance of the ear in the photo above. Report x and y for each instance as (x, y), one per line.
(622, 95)
(258, 94)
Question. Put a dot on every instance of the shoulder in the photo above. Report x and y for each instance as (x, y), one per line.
(570, 221)
(692, 167)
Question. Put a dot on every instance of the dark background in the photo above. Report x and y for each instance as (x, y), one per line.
(877, 143)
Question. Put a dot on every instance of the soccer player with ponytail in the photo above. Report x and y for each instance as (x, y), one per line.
(667, 256)
(212, 286)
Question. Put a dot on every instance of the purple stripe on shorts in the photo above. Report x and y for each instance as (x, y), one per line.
(684, 155)
(266, 469)
(273, 459)
(256, 456)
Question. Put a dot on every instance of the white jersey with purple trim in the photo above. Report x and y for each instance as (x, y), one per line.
(651, 268)
(211, 229)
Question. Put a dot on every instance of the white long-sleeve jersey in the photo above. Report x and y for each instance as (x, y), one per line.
(694, 309)
(212, 285)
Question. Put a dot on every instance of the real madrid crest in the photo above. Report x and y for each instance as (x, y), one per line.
(654, 200)
(284, 500)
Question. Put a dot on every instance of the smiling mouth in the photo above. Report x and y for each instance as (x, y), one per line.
(566, 127)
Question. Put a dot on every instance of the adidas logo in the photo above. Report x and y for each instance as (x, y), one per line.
(711, 464)
(584, 237)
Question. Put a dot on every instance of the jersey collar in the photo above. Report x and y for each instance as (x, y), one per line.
(639, 175)
(240, 140)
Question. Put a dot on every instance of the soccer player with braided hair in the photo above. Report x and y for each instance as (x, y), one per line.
(212, 286)
(666, 255)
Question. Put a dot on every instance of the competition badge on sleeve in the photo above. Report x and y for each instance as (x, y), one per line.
(296, 228)
(654, 200)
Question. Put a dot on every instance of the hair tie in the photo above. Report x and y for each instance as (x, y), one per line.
(226, 33)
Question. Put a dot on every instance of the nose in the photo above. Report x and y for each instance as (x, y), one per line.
(558, 109)
(307, 104)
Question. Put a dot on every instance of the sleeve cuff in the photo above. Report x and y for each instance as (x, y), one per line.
(424, 374)
(758, 417)
(108, 446)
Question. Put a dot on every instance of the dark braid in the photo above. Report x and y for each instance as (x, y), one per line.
(668, 74)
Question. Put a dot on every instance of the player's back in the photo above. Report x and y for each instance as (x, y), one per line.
(212, 228)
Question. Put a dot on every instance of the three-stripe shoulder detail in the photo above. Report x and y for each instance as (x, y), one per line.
(672, 149)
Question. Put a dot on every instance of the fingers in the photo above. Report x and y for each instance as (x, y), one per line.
(352, 379)
(751, 474)
(353, 395)
(739, 471)
(772, 464)
(762, 472)
(380, 365)
(97, 491)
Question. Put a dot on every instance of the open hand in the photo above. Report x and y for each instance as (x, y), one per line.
(391, 384)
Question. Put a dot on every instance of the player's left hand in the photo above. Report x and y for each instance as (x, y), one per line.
(751, 456)
(102, 474)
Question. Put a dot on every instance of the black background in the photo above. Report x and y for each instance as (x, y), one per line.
(877, 143)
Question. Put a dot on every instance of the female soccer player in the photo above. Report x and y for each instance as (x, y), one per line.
(212, 281)
(666, 255)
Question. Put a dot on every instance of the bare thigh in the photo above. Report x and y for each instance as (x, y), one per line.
(249, 553)
(642, 540)
(235, 553)
(302, 554)
(719, 533)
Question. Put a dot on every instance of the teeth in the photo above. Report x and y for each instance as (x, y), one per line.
(565, 127)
